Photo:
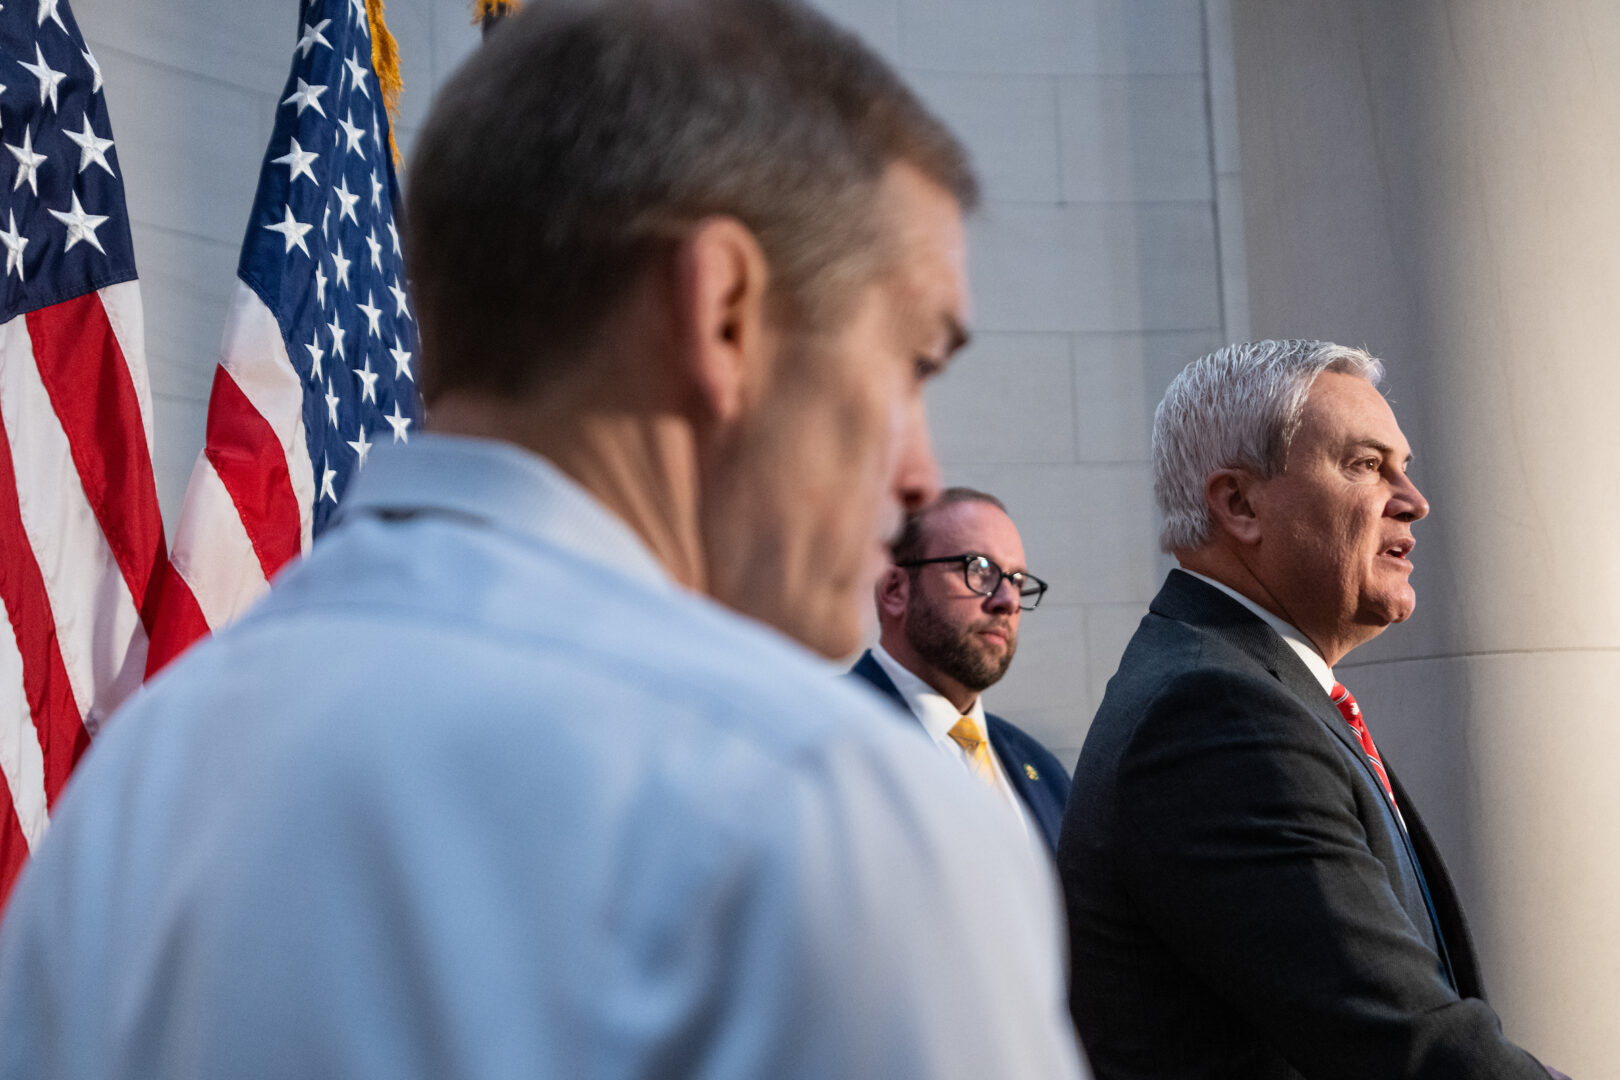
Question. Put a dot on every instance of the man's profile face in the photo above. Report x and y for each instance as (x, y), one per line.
(836, 450)
(1337, 521)
(967, 638)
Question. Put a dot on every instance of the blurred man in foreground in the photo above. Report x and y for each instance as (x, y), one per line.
(1251, 892)
(948, 611)
(489, 786)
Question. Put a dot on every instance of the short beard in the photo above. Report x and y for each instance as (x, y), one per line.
(951, 650)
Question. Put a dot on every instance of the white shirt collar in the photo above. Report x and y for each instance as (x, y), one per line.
(1297, 641)
(505, 486)
(937, 716)
(931, 708)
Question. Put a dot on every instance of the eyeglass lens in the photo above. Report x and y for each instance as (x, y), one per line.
(984, 577)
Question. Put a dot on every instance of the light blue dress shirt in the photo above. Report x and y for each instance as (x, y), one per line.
(476, 791)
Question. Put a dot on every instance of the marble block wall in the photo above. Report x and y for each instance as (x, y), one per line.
(1108, 253)
(1441, 179)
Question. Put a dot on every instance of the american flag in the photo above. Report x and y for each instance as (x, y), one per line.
(316, 366)
(82, 557)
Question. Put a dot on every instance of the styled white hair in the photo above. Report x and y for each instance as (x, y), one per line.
(1238, 407)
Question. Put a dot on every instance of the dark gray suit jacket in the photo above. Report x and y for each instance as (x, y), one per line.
(1242, 901)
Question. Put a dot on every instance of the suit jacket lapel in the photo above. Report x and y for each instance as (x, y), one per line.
(1189, 600)
(1451, 925)
(869, 669)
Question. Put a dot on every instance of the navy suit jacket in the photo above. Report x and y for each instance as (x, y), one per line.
(1243, 901)
(1037, 776)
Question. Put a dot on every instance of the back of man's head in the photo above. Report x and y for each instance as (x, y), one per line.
(583, 138)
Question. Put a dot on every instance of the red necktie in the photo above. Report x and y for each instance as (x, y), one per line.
(1352, 716)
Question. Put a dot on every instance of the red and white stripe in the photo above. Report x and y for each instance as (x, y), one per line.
(249, 506)
(82, 556)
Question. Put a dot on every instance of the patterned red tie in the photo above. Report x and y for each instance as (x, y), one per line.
(1352, 716)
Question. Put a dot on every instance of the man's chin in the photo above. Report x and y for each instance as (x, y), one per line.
(1389, 610)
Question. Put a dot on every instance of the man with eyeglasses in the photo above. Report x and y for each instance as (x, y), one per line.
(948, 610)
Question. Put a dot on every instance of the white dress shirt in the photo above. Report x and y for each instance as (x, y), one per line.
(937, 716)
(476, 791)
(1295, 640)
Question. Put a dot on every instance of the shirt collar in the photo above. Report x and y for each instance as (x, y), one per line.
(504, 486)
(931, 708)
(1297, 641)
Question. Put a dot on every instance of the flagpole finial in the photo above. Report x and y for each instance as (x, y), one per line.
(487, 13)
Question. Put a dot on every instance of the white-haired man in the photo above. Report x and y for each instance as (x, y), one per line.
(1250, 891)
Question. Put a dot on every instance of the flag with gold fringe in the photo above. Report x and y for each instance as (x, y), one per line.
(316, 363)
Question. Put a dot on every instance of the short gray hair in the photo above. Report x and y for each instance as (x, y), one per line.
(587, 136)
(1238, 407)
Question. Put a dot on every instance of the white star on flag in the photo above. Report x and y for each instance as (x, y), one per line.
(341, 265)
(92, 150)
(315, 354)
(328, 474)
(376, 249)
(402, 362)
(14, 246)
(313, 37)
(368, 381)
(331, 403)
(355, 134)
(399, 423)
(80, 225)
(400, 310)
(48, 78)
(95, 71)
(28, 162)
(297, 160)
(305, 97)
(372, 314)
(357, 74)
(361, 447)
(47, 10)
(347, 199)
(337, 337)
(292, 230)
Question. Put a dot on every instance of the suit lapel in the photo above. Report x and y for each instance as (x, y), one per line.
(1189, 600)
(869, 669)
(1451, 925)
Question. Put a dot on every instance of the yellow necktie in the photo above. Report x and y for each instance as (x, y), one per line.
(965, 733)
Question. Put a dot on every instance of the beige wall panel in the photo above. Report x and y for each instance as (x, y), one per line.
(1441, 180)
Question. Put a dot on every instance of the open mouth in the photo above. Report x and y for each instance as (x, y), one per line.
(1401, 549)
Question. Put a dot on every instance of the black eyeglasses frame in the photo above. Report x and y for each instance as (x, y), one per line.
(1021, 579)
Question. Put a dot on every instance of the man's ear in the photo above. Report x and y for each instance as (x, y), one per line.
(1229, 495)
(893, 594)
(721, 282)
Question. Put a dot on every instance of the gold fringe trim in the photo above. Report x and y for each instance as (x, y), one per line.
(485, 10)
(385, 62)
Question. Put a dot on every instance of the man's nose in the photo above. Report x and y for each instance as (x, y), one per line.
(917, 479)
(1004, 599)
(1408, 503)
